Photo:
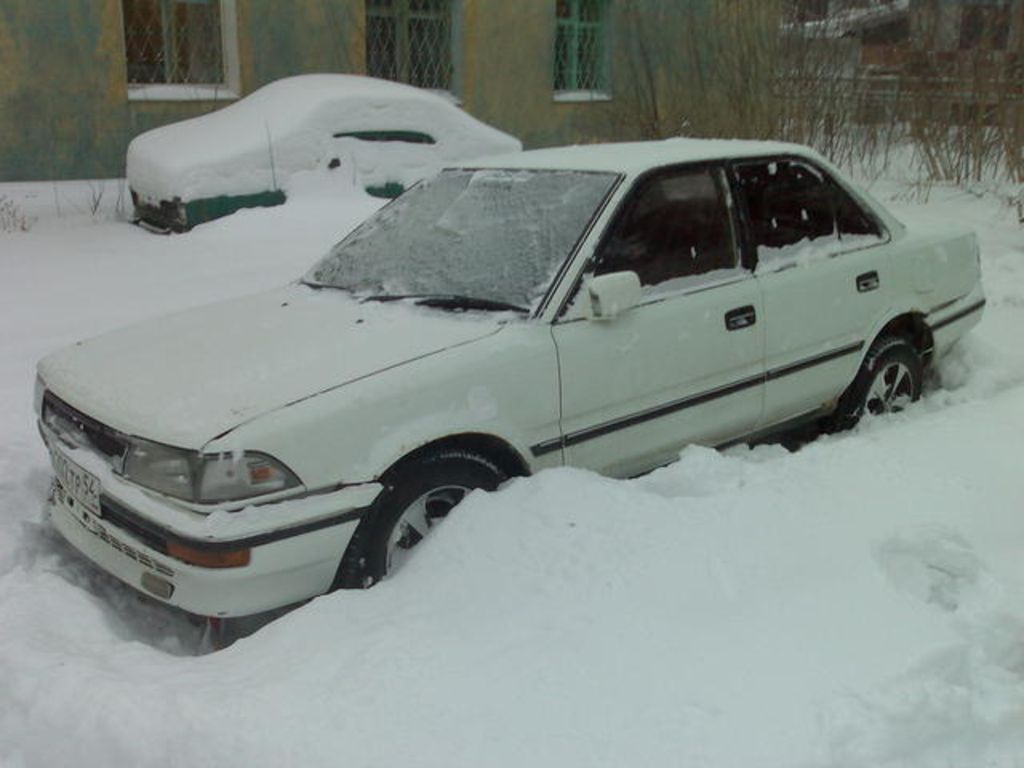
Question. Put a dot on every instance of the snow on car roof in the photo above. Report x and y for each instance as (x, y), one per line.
(635, 157)
(292, 124)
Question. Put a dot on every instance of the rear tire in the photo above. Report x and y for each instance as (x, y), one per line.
(418, 493)
(889, 379)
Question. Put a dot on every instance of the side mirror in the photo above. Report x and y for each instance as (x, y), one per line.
(613, 294)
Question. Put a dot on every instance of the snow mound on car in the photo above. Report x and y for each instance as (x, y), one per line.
(257, 143)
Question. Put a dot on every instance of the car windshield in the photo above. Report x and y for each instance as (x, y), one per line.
(483, 239)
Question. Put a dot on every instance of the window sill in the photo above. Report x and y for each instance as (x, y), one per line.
(181, 93)
(576, 97)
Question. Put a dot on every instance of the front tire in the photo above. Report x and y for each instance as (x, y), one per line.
(889, 379)
(418, 494)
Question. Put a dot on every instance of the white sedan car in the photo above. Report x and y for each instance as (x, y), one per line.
(597, 306)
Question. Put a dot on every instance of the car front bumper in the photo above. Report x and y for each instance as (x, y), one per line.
(295, 545)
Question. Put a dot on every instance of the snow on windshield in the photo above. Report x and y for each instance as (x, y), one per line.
(490, 234)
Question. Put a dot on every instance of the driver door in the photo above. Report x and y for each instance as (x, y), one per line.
(687, 363)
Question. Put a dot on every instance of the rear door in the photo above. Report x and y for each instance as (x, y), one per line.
(685, 365)
(823, 267)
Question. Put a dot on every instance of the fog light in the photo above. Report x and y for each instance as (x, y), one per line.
(207, 558)
(157, 586)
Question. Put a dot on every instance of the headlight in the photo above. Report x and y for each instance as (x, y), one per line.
(206, 479)
(161, 468)
(228, 477)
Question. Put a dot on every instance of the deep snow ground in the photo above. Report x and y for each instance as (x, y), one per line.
(857, 603)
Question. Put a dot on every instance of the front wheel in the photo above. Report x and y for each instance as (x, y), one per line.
(889, 380)
(419, 494)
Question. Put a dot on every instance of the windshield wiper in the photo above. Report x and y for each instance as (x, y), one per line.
(451, 301)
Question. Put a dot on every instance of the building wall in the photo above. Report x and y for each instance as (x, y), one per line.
(65, 111)
(509, 70)
(508, 75)
(61, 106)
(64, 107)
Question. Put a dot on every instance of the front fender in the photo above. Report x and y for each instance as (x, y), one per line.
(505, 386)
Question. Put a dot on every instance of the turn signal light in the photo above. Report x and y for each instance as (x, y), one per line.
(209, 558)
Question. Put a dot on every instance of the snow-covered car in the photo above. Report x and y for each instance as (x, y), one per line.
(598, 306)
(379, 134)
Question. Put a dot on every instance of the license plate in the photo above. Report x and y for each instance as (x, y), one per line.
(82, 486)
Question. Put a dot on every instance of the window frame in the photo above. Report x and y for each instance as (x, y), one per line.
(228, 89)
(402, 12)
(565, 313)
(685, 284)
(602, 91)
(748, 244)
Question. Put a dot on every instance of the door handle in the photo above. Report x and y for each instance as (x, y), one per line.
(868, 282)
(741, 317)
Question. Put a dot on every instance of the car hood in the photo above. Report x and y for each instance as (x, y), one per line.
(187, 378)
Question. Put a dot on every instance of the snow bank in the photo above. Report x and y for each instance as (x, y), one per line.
(259, 142)
(858, 603)
(846, 605)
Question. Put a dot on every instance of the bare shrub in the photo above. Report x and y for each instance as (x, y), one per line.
(742, 69)
(97, 191)
(12, 219)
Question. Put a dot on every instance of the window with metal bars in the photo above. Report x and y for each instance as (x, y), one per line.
(581, 45)
(173, 42)
(410, 41)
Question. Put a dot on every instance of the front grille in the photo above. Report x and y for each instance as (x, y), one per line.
(76, 427)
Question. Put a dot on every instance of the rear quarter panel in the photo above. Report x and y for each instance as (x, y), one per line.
(935, 268)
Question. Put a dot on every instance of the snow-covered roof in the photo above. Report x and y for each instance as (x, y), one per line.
(636, 157)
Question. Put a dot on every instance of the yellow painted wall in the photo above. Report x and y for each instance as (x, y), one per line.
(64, 107)
(59, 104)
(65, 112)
(508, 76)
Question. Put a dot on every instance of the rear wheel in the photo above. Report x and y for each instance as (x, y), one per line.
(888, 381)
(419, 493)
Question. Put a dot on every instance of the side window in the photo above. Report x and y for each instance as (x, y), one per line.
(789, 207)
(854, 223)
(677, 226)
(797, 213)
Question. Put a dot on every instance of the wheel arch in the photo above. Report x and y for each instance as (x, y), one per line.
(353, 569)
(491, 447)
(912, 326)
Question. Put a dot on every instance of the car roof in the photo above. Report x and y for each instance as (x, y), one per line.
(636, 157)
